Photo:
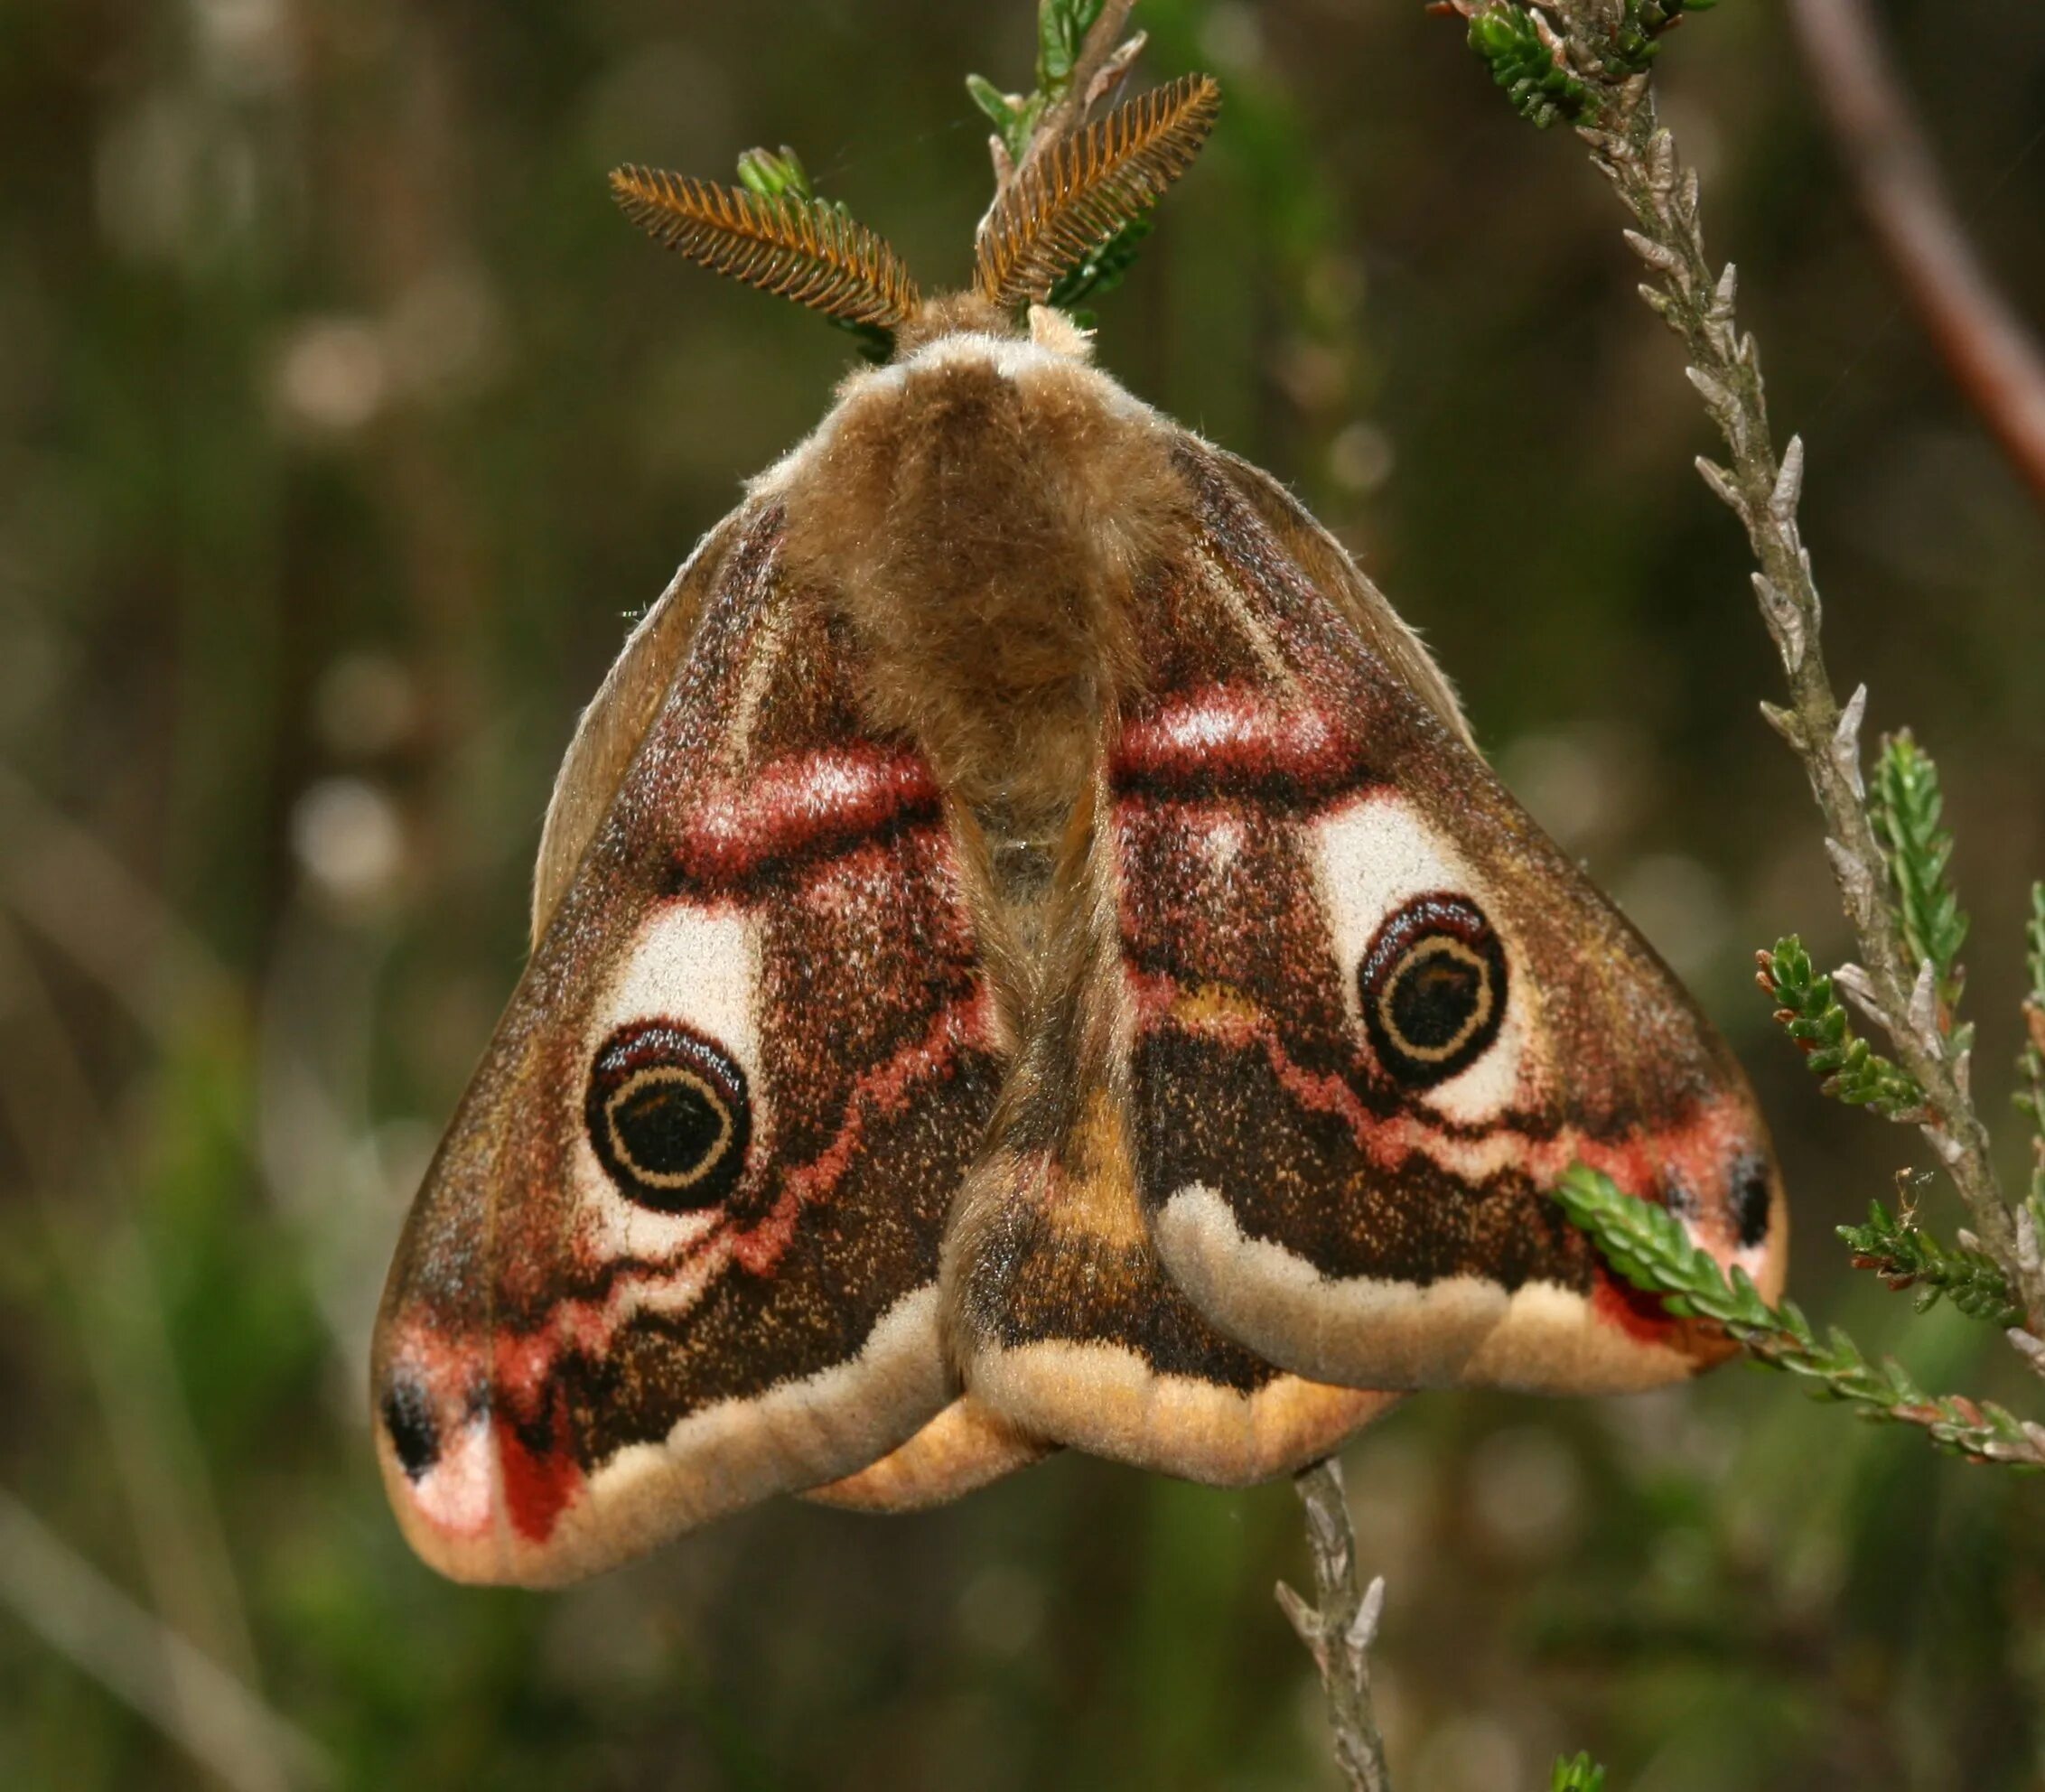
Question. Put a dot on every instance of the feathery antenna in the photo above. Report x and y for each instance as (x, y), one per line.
(1064, 204)
(801, 247)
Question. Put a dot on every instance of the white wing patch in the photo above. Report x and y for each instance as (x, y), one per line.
(1372, 857)
(1540, 1338)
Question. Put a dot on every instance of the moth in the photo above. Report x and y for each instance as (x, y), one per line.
(1025, 953)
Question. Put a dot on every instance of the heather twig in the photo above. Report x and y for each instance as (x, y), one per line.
(1981, 337)
(1906, 1256)
(1340, 1626)
(1648, 1245)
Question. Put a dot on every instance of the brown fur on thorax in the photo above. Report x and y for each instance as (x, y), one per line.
(982, 534)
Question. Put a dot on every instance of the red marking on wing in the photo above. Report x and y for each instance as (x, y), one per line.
(1228, 737)
(525, 1360)
(538, 1486)
(1390, 1139)
(804, 804)
(1637, 1313)
(880, 1094)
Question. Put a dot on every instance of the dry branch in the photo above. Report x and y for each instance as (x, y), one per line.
(1339, 1626)
(1985, 344)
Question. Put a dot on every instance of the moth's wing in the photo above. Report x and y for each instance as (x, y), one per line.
(678, 1249)
(1058, 1316)
(615, 722)
(962, 1449)
(1325, 563)
(1378, 1014)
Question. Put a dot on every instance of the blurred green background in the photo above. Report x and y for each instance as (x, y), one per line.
(343, 424)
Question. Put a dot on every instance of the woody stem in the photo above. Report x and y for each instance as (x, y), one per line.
(1339, 1626)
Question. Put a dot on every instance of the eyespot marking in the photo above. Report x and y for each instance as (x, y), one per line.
(668, 1117)
(1433, 989)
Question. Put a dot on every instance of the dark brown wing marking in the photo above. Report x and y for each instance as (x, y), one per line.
(678, 1249)
(1376, 1013)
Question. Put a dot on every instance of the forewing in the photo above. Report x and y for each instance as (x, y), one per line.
(608, 735)
(678, 1249)
(1378, 1014)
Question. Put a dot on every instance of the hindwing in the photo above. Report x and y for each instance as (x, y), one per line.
(1062, 1319)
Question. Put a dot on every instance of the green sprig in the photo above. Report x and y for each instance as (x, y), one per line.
(1647, 1245)
(775, 174)
(1811, 1014)
(1014, 114)
(1529, 64)
(1061, 29)
(1640, 29)
(1581, 1775)
(1061, 32)
(1062, 26)
(1905, 805)
(1905, 1255)
(1528, 59)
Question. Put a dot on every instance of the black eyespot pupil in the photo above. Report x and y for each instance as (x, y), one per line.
(1434, 997)
(668, 1117)
(1432, 987)
(669, 1125)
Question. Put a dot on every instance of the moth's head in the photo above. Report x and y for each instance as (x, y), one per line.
(1065, 224)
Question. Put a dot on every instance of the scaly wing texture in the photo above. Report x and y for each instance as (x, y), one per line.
(1377, 1013)
(678, 1249)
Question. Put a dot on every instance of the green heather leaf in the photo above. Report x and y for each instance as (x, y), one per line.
(1014, 117)
(1061, 29)
(1906, 1256)
(775, 175)
(1816, 1020)
(1542, 87)
(1648, 1246)
(1905, 804)
(1541, 90)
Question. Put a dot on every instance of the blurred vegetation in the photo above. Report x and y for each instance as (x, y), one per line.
(342, 425)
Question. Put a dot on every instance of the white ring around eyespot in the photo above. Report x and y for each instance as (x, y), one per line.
(1435, 945)
(713, 1097)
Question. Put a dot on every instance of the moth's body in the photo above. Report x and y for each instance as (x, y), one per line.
(1025, 953)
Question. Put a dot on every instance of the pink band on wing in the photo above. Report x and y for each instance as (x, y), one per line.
(1225, 737)
(802, 805)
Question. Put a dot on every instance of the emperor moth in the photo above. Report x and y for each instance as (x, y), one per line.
(1025, 953)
